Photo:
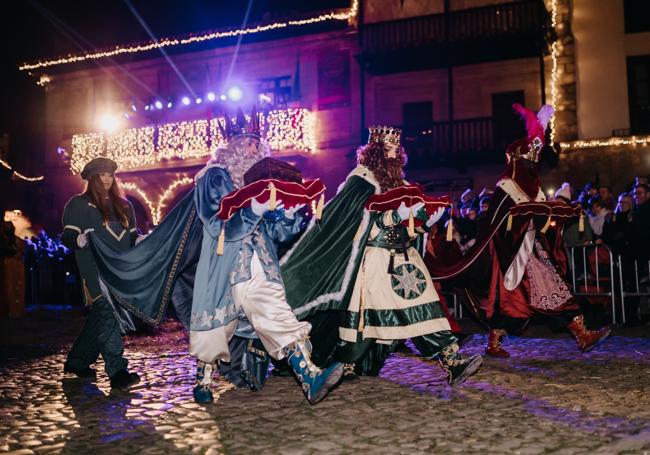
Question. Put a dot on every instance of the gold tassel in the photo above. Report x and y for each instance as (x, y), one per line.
(319, 208)
(509, 225)
(220, 242)
(450, 230)
(411, 228)
(546, 226)
(273, 197)
(581, 223)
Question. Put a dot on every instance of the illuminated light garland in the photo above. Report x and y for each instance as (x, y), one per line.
(611, 142)
(555, 50)
(166, 194)
(19, 175)
(133, 187)
(346, 15)
(183, 140)
(286, 129)
(155, 210)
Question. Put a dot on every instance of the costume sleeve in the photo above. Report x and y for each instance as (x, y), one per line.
(72, 223)
(286, 229)
(210, 190)
(133, 229)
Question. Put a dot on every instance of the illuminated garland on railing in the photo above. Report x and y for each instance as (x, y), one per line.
(611, 142)
(136, 147)
(18, 174)
(346, 15)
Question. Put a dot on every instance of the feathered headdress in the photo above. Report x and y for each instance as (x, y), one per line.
(530, 147)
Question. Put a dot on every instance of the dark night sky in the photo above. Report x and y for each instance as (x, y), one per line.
(37, 29)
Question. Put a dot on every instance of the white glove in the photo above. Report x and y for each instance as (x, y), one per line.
(433, 219)
(260, 208)
(140, 238)
(403, 211)
(291, 213)
(82, 239)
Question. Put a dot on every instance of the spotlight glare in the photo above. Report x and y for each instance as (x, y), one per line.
(211, 96)
(235, 93)
(199, 101)
(186, 101)
(159, 105)
(109, 123)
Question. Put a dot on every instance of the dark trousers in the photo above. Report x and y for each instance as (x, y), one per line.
(100, 335)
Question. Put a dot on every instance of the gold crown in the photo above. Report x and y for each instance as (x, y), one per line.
(384, 134)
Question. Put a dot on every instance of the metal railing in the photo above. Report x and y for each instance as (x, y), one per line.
(515, 19)
(634, 280)
(590, 277)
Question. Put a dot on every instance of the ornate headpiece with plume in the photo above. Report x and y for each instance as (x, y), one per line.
(241, 127)
(384, 134)
(530, 147)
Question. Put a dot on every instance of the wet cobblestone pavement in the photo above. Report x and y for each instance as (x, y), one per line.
(546, 398)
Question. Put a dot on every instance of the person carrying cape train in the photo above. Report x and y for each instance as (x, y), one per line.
(228, 276)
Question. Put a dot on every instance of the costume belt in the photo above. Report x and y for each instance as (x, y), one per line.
(400, 248)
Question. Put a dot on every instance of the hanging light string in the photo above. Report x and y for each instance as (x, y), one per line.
(345, 15)
(18, 174)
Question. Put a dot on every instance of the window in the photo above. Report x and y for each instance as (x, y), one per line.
(506, 125)
(417, 114)
(638, 85)
(636, 14)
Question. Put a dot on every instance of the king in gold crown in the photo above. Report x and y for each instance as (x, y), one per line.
(385, 134)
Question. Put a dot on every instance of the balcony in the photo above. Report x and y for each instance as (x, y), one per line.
(456, 144)
(497, 32)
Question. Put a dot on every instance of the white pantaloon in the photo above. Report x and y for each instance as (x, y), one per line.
(265, 305)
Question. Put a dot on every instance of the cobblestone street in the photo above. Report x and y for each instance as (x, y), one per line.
(547, 398)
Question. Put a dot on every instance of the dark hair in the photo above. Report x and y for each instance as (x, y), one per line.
(94, 190)
(593, 201)
(642, 185)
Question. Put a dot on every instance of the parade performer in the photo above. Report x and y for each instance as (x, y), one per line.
(102, 211)
(220, 274)
(518, 265)
(358, 277)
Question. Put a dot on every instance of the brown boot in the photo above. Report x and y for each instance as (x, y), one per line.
(494, 347)
(587, 339)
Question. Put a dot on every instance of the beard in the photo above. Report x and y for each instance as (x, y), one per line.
(390, 173)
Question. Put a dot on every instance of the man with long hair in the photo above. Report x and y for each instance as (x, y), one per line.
(102, 210)
(221, 275)
(359, 279)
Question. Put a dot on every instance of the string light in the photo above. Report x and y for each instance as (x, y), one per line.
(133, 187)
(346, 15)
(285, 129)
(155, 210)
(555, 51)
(614, 141)
(168, 193)
(19, 175)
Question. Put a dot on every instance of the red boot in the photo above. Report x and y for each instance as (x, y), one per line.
(587, 339)
(494, 347)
